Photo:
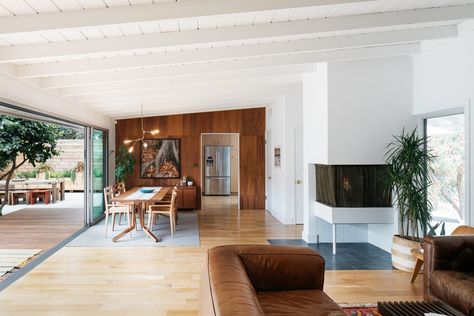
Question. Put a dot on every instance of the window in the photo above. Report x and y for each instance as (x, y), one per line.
(446, 140)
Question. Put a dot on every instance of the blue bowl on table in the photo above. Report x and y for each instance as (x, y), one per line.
(147, 190)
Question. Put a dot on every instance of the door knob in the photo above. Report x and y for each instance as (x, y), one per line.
(298, 181)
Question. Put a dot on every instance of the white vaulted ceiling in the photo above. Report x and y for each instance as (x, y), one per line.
(195, 55)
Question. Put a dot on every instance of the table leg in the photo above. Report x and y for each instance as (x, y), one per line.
(63, 190)
(142, 223)
(128, 229)
(55, 193)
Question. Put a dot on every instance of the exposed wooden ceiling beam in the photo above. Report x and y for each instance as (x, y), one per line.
(161, 11)
(220, 53)
(215, 67)
(333, 25)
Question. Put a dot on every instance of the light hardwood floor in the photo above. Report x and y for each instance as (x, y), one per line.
(165, 281)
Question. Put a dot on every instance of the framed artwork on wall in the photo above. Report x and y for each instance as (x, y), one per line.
(277, 156)
(160, 158)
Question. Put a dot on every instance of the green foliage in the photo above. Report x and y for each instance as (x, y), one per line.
(63, 132)
(124, 164)
(26, 174)
(56, 174)
(410, 176)
(43, 167)
(98, 173)
(433, 228)
(73, 175)
(34, 142)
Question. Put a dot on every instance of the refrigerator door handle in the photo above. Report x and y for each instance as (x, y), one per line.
(217, 161)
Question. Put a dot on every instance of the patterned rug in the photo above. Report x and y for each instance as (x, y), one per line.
(362, 310)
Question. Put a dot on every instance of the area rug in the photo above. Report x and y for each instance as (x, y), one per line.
(361, 310)
(187, 234)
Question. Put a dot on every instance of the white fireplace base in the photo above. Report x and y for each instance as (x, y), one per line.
(353, 215)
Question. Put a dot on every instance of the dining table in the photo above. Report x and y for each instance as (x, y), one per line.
(141, 199)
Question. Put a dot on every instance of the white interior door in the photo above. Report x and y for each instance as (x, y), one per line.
(268, 171)
(298, 162)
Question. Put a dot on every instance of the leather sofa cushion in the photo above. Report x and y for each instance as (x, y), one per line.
(454, 288)
(299, 302)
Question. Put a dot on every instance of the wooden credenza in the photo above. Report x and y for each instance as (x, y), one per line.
(187, 197)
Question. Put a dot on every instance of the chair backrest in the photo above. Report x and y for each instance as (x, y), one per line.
(173, 204)
(119, 188)
(108, 195)
(463, 230)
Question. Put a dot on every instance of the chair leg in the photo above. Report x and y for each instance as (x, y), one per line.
(172, 225)
(120, 219)
(113, 221)
(418, 265)
(106, 222)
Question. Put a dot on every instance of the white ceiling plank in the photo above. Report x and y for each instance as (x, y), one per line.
(277, 48)
(163, 89)
(180, 107)
(223, 93)
(413, 18)
(130, 75)
(238, 74)
(102, 15)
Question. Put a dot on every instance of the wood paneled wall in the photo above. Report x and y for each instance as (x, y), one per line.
(249, 123)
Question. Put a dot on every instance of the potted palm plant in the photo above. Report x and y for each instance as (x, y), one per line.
(409, 175)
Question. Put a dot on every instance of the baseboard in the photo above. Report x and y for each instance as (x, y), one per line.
(309, 238)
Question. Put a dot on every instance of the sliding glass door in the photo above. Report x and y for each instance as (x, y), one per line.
(99, 172)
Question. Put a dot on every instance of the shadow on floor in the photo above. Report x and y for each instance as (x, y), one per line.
(350, 256)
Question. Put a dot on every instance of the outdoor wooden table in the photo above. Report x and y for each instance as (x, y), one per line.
(136, 197)
(54, 184)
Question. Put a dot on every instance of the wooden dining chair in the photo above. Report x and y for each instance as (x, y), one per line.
(112, 208)
(118, 189)
(168, 210)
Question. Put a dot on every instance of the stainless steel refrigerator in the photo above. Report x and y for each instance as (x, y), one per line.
(216, 170)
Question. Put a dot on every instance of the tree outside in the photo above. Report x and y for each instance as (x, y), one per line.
(34, 142)
(447, 143)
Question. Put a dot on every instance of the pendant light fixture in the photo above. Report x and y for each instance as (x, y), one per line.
(133, 142)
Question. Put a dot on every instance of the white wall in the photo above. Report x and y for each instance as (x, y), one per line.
(283, 116)
(351, 110)
(443, 80)
(21, 94)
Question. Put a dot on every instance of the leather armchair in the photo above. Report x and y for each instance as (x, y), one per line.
(449, 271)
(264, 280)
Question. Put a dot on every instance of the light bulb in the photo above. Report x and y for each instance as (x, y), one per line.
(155, 131)
(145, 145)
(127, 141)
(130, 150)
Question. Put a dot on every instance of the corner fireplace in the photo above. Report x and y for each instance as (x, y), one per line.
(352, 186)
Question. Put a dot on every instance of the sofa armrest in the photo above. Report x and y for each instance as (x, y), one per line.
(451, 253)
(282, 268)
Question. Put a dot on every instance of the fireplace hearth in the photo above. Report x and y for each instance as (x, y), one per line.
(352, 186)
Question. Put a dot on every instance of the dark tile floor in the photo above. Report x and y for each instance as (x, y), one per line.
(349, 256)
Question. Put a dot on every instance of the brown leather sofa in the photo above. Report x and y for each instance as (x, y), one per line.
(264, 280)
(449, 271)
